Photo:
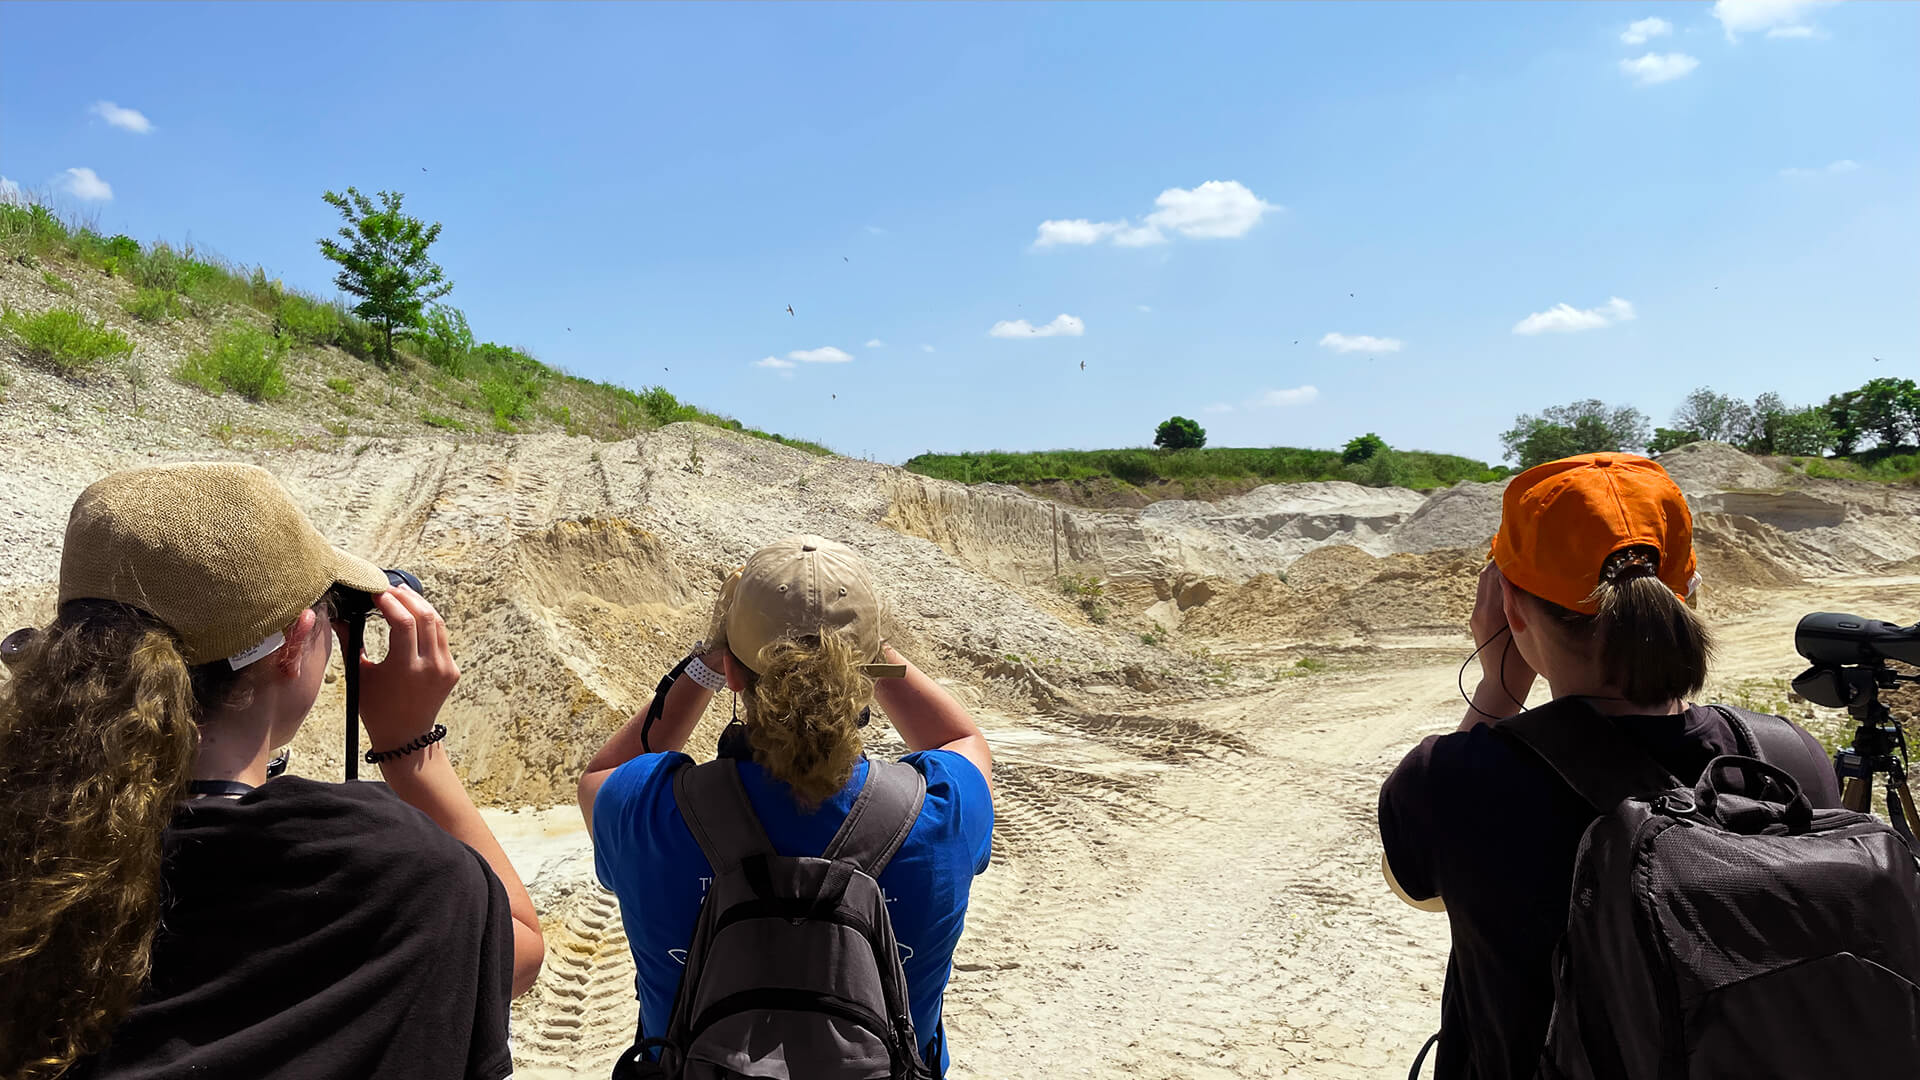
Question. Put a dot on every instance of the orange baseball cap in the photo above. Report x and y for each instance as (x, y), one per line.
(1560, 521)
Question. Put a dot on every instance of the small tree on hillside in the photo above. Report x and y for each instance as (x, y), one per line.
(1180, 433)
(384, 262)
(1362, 448)
(1584, 427)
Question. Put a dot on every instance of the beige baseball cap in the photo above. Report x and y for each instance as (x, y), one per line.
(797, 588)
(216, 551)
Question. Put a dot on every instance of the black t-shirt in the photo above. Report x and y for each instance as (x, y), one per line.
(317, 931)
(1469, 818)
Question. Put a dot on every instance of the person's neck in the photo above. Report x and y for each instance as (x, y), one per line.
(1606, 698)
(235, 746)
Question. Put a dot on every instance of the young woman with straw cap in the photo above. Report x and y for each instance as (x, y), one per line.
(796, 634)
(1588, 588)
(167, 909)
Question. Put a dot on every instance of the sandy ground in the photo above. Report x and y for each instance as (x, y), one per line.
(1188, 892)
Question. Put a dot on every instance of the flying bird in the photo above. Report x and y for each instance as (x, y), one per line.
(789, 309)
(835, 397)
(1083, 365)
(1296, 343)
(843, 258)
(1349, 296)
(1876, 360)
(423, 168)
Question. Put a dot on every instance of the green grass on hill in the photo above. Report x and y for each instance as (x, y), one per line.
(1415, 469)
(265, 325)
(1899, 465)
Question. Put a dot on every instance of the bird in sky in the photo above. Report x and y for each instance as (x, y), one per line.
(835, 397)
(423, 168)
(789, 309)
(569, 329)
(1876, 360)
(843, 258)
(1083, 365)
(1296, 343)
(1349, 296)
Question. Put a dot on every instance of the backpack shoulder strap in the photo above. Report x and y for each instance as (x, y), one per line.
(1584, 748)
(881, 816)
(1774, 740)
(714, 803)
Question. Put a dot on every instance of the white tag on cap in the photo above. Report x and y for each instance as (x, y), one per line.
(264, 649)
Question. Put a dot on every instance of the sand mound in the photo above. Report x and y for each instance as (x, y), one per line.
(1337, 564)
(1714, 466)
(1465, 515)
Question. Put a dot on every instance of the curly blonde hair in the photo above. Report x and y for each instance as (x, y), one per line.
(803, 714)
(97, 741)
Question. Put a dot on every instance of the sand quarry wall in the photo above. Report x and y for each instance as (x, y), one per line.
(573, 573)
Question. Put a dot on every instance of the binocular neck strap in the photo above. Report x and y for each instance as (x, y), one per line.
(350, 658)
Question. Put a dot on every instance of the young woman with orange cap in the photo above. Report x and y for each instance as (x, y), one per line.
(167, 910)
(1588, 588)
(796, 634)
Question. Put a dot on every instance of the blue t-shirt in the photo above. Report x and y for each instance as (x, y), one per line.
(644, 853)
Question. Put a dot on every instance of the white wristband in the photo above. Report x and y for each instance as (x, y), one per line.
(706, 676)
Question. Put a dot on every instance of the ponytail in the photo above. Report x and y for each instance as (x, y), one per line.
(97, 740)
(1650, 642)
(803, 714)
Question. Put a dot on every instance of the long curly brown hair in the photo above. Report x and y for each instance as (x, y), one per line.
(97, 741)
(803, 714)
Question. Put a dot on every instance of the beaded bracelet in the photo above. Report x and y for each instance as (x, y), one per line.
(375, 757)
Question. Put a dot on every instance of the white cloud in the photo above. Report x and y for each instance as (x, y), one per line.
(1659, 67)
(1215, 209)
(826, 354)
(85, 184)
(876, 343)
(1835, 168)
(10, 192)
(1218, 407)
(1078, 231)
(926, 348)
(774, 363)
(125, 119)
(1275, 399)
(1565, 318)
(1063, 325)
(1637, 33)
(1360, 343)
(1751, 16)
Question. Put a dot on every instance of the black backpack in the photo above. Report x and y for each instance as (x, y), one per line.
(793, 972)
(1726, 928)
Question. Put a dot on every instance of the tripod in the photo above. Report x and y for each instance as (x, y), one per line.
(1879, 744)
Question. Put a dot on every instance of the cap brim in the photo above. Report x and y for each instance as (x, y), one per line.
(884, 671)
(357, 573)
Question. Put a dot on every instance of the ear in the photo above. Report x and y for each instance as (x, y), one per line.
(736, 672)
(1515, 608)
(292, 657)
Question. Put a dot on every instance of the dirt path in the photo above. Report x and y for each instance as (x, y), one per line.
(1192, 893)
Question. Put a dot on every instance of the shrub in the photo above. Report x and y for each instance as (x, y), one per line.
(64, 338)
(1361, 448)
(1179, 433)
(343, 387)
(506, 397)
(245, 359)
(55, 282)
(438, 421)
(1386, 468)
(154, 305)
(445, 339)
(159, 268)
(309, 321)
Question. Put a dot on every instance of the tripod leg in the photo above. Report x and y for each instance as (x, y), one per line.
(1900, 810)
(1857, 795)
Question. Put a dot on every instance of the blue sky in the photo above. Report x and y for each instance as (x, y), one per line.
(628, 189)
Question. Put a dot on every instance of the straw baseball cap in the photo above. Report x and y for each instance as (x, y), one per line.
(216, 551)
(1560, 521)
(800, 587)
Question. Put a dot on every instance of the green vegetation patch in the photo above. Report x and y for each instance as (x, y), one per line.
(245, 359)
(154, 305)
(1415, 469)
(64, 339)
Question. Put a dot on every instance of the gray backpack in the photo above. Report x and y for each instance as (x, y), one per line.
(793, 973)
